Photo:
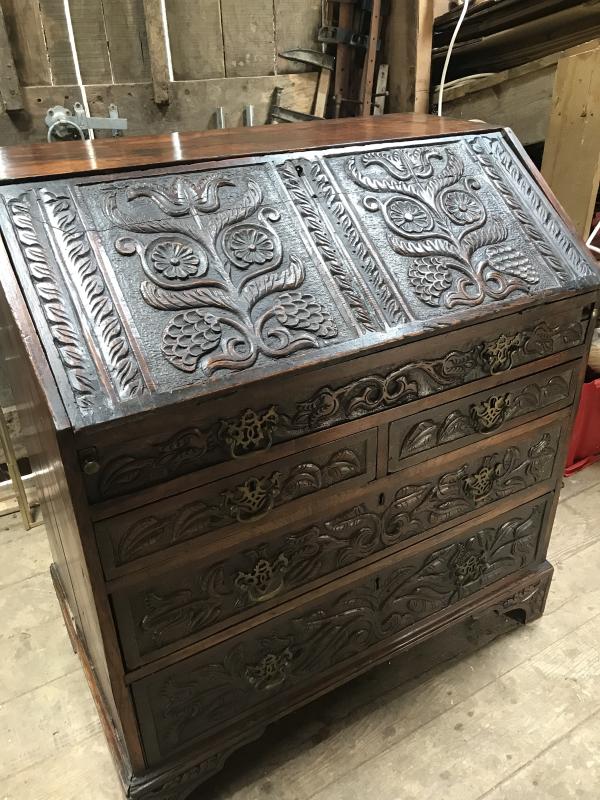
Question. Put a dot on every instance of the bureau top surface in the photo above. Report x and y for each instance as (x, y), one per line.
(152, 285)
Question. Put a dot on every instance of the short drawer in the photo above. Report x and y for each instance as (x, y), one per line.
(171, 608)
(244, 499)
(181, 446)
(266, 666)
(442, 428)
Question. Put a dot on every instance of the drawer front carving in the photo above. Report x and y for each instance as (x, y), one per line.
(298, 411)
(456, 424)
(243, 499)
(162, 613)
(204, 692)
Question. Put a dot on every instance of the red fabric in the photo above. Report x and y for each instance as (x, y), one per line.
(584, 447)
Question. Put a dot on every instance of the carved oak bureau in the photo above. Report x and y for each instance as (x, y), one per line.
(297, 397)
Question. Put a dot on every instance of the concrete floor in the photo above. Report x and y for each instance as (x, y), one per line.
(464, 717)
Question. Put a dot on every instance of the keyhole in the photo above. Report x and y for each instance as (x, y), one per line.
(382, 499)
(299, 170)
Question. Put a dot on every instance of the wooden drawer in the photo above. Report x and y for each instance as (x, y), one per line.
(265, 666)
(442, 428)
(250, 427)
(163, 611)
(243, 500)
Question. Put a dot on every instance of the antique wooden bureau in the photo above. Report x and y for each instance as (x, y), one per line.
(297, 397)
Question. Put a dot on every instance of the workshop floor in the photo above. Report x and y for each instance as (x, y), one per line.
(463, 717)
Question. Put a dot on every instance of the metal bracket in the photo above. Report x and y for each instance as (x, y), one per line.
(331, 34)
(61, 121)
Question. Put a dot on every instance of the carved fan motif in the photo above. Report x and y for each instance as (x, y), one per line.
(215, 266)
(460, 256)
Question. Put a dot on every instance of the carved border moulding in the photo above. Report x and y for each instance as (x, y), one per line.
(339, 263)
(82, 267)
(215, 266)
(253, 431)
(538, 218)
(335, 544)
(249, 673)
(53, 299)
(485, 416)
(461, 255)
(247, 502)
(373, 268)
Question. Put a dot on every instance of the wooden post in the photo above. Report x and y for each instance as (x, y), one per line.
(571, 163)
(366, 108)
(408, 49)
(157, 48)
(10, 90)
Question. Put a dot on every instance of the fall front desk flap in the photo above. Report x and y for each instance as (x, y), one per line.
(186, 280)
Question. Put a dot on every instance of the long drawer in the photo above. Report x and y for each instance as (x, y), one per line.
(251, 426)
(241, 500)
(264, 665)
(161, 612)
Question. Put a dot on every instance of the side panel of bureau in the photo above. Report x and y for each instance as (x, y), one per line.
(263, 666)
(157, 614)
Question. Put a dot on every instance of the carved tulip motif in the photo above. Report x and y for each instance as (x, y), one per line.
(222, 270)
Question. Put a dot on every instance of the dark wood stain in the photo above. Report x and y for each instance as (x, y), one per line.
(298, 398)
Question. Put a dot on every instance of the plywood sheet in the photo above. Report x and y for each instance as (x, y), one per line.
(196, 39)
(248, 37)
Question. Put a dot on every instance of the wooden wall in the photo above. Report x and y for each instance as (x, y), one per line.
(223, 52)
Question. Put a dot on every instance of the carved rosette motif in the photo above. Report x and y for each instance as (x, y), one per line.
(325, 637)
(81, 265)
(485, 416)
(215, 266)
(57, 310)
(460, 255)
(247, 502)
(349, 537)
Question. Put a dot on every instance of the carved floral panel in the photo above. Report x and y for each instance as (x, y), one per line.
(188, 277)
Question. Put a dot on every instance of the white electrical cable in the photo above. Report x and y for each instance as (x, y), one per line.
(84, 99)
(448, 54)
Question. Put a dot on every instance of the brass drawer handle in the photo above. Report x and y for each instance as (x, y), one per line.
(264, 581)
(490, 413)
(253, 499)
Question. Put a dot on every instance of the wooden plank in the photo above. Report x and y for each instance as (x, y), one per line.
(381, 89)
(368, 75)
(159, 56)
(10, 91)
(519, 98)
(322, 93)
(60, 56)
(401, 54)
(192, 104)
(571, 162)
(423, 55)
(196, 39)
(127, 40)
(89, 32)
(248, 37)
(25, 32)
(296, 25)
